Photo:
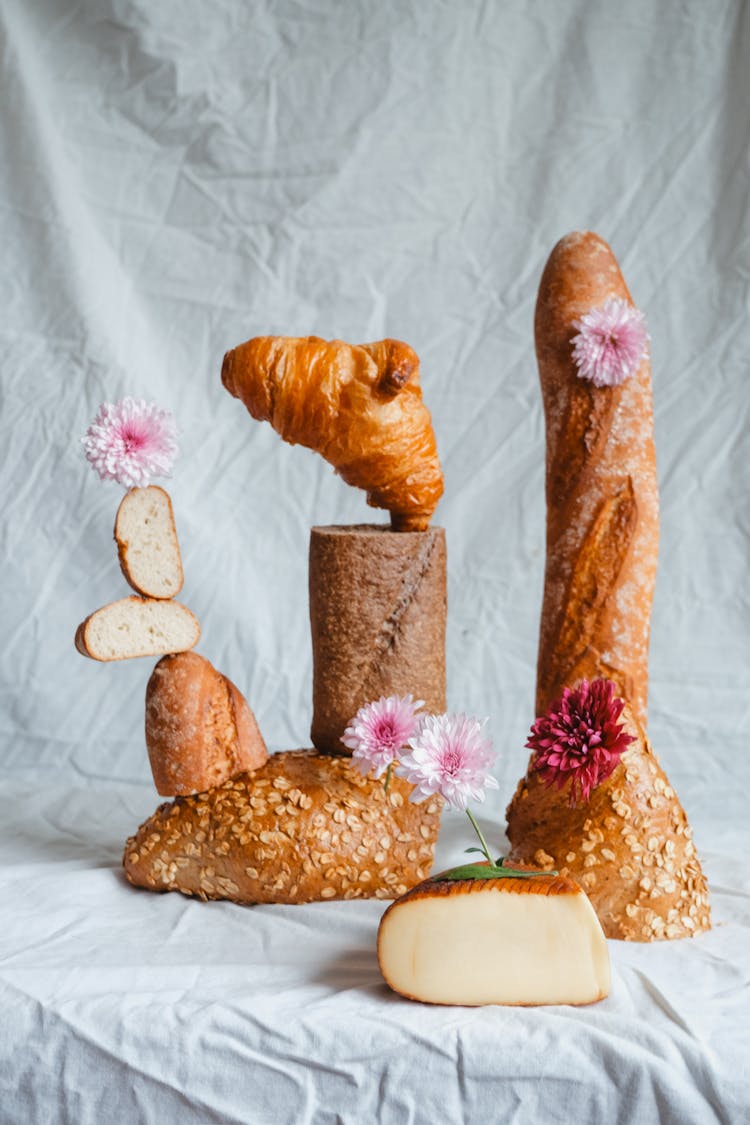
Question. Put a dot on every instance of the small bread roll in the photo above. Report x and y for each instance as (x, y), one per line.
(134, 627)
(200, 730)
(147, 545)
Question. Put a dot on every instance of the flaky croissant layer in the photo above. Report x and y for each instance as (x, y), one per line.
(359, 406)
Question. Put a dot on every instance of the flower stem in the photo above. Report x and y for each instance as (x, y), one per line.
(388, 777)
(482, 840)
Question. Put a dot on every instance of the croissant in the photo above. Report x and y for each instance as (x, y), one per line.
(359, 406)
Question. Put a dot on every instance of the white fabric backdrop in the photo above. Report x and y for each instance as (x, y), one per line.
(177, 177)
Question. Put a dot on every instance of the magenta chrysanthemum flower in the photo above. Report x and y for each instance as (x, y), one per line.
(611, 344)
(449, 755)
(131, 441)
(380, 730)
(580, 739)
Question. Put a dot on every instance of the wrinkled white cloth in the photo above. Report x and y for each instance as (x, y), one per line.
(175, 1010)
(177, 177)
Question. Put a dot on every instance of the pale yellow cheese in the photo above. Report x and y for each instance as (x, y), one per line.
(494, 943)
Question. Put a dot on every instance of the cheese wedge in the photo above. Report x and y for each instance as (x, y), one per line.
(495, 941)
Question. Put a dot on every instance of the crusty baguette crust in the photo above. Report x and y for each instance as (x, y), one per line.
(85, 645)
(304, 827)
(629, 846)
(359, 406)
(125, 547)
(602, 499)
(377, 616)
(200, 730)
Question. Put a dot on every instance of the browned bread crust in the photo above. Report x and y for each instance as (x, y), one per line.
(377, 614)
(602, 500)
(302, 828)
(629, 846)
(200, 730)
(359, 406)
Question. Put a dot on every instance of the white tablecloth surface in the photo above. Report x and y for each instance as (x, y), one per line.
(122, 1005)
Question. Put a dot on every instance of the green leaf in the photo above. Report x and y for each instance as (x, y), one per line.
(487, 871)
(479, 851)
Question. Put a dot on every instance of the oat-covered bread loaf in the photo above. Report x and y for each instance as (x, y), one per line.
(200, 730)
(601, 488)
(137, 626)
(629, 846)
(358, 405)
(377, 615)
(147, 544)
(302, 828)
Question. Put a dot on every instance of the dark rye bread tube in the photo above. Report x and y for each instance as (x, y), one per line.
(377, 613)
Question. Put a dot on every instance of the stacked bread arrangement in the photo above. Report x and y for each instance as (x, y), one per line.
(595, 803)
(200, 730)
(306, 825)
(149, 622)
(600, 845)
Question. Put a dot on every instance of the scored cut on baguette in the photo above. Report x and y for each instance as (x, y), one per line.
(147, 544)
(136, 626)
(305, 827)
(601, 491)
(495, 941)
(200, 730)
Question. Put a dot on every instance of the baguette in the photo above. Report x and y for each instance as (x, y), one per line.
(200, 730)
(304, 827)
(628, 844)
(377, 615)
(136, 626)
(602, 499)
(147, 544)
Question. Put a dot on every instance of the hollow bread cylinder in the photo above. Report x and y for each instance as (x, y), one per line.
(377, 613)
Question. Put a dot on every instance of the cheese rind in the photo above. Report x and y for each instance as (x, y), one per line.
(495, 941)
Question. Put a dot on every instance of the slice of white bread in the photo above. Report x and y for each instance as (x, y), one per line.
(200, 730)
(147, 543)
(137, 627)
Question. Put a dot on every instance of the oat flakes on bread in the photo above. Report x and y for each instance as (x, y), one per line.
(305, 827)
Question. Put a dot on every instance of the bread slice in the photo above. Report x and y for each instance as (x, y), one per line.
(137, 627)
(305, 827)
(200, 731)
(147, 543)
(495, 941)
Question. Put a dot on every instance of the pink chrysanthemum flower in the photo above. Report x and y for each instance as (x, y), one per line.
(380, 730)
(580, 739)
(131, 441)
(611, 344)
(449, 755)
